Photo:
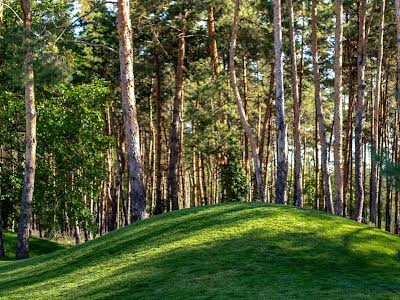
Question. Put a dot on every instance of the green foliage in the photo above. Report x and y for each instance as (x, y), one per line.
(70, 126)
(229, 251)
(233, 180)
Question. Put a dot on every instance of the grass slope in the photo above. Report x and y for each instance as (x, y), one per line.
(246, 251)
(37, 246)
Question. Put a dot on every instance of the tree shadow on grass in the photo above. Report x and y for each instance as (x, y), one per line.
(130, 239)
(254, 263)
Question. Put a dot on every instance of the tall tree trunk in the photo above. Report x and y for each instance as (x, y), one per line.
(1, 12)
(238, 99)
(338, 109)
(24, 225)
(246, 162)
(2, 253)
(266, 127)
(159, 207)
(349, 129)
(320, 117)
(212, 36)
(137, 193)
(298, 190)
(361, 62)
(281, 141)
(173, 169)
(375, 122)
(398, 36)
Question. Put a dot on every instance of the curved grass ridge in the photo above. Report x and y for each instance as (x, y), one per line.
(37, 246)
(242, 250)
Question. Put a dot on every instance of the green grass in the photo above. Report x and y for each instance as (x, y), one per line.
(37, 246)
(235, 251)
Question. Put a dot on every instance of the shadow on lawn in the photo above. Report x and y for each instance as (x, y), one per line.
(258, 263)
(129, 239)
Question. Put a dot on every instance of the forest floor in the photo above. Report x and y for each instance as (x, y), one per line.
(37, 246)
(228, 251)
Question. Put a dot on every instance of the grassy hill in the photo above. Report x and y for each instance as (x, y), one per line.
(37, 246)
(246, 251)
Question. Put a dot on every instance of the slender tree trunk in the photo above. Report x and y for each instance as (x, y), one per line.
(30, 138)
(281, 141)
(77, 233)
(316, 158)
(173, 169)
(246, 139)
(338, 109)
(212, 36)
(266, 127)
(2, 253)
(1, 13)
(361, 62)
(159, 208)
(376, 106)
(137, 193)
(398, 36)
(397, 221)
(320, 117)
(298, 190)
(388, 206)
(349, 130)
(238, 99)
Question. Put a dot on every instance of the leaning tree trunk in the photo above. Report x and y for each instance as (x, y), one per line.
(173, 168)
(361, 62)
(320, 116)
(298, 191)
(243, 118)
(375, 134)
(338, 109)
(281, 140)
(30, 138)
(137, 193)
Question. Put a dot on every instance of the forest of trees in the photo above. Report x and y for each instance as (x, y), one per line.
(115, 111)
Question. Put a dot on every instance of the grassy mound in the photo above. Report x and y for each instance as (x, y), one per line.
(245, 251)
(37, 246)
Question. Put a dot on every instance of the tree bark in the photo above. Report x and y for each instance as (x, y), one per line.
(398, 36)
(2, 253)
(361, 62)
(281, 141)
(212, 41)
(1, 12)
(24, 225)
(320, 117)
(238, 99)
(266, 127)
(298, 190)
(173, 169)
(159, 207)
(338, 112)
(137, 193)
(375, 122)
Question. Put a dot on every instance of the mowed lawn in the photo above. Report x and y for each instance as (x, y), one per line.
(37, 246)
(228, 251)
